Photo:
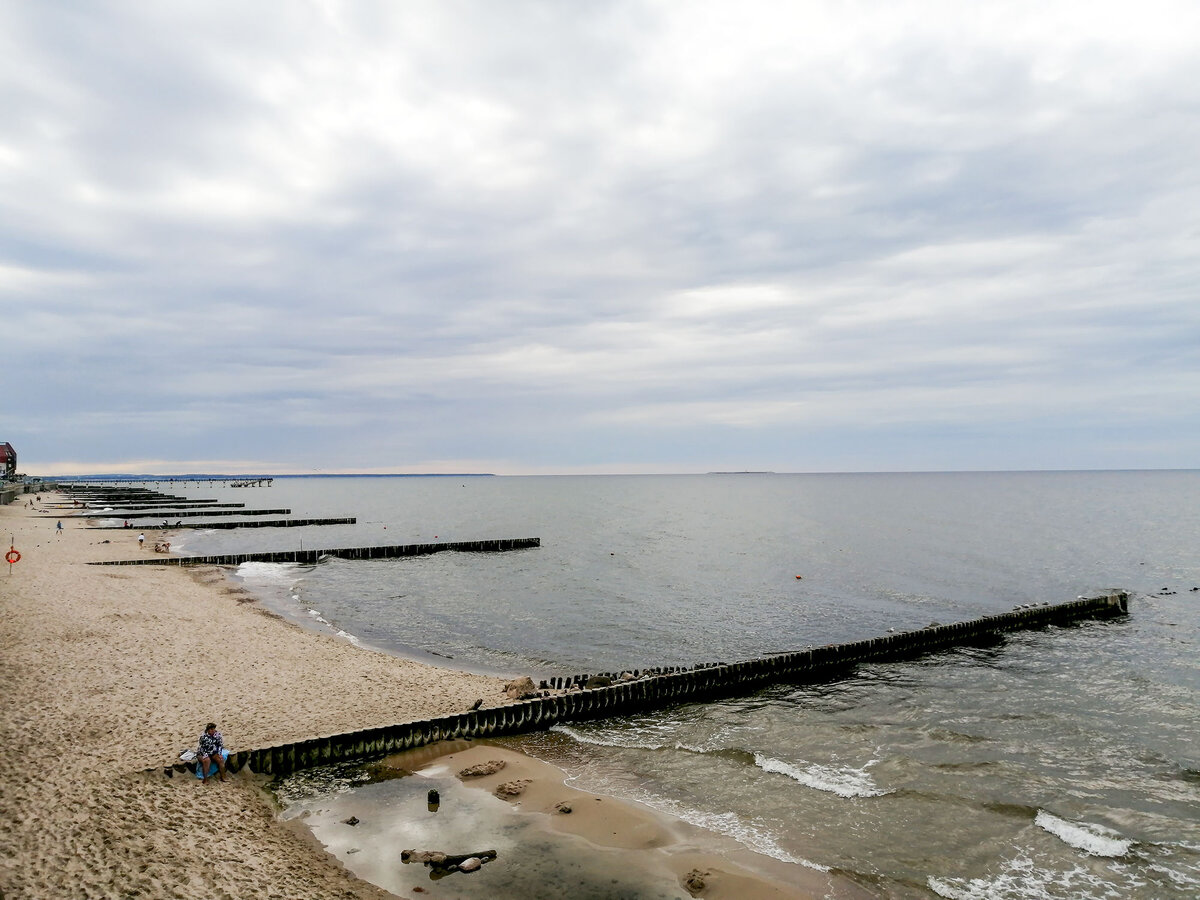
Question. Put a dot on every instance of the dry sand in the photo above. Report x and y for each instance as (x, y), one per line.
(111, 671)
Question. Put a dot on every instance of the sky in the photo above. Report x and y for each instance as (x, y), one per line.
(322, 236)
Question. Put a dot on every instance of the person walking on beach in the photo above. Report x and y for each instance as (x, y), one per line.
(141, 540)
(210, 746)
(58, 529)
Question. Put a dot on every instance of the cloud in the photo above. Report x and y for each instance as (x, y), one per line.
(630, 234)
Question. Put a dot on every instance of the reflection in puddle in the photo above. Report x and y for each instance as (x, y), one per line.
(395, 814)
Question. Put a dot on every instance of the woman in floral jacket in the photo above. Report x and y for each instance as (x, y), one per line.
(211, 745)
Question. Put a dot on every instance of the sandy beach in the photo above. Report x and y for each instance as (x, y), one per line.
(111, 672)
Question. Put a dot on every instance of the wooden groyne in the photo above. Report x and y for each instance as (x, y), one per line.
(260, 523)
(181, 514)
(313, 556)
(195, 504)
(118, 494)
(658, 687)
(136, 503)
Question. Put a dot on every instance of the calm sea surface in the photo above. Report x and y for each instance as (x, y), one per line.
(1060, 764)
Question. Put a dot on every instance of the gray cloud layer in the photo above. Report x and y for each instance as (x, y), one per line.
(608, 236)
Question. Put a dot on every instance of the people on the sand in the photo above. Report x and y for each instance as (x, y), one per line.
(210, 747)
(141, 541)
(162, 546)
(58, 529)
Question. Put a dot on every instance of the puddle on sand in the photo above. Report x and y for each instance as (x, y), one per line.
(394, 815)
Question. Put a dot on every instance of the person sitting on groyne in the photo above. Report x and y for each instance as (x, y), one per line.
(210, 747)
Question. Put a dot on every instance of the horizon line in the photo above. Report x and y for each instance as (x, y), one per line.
(222, 476)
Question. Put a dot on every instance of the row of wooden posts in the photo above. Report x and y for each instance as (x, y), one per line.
(257, 523)
(310, 557)
(661, 687)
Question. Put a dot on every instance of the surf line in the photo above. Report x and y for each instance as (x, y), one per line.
(659, 687)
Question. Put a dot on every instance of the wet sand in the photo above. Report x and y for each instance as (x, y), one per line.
(111, 672)
(551, 839)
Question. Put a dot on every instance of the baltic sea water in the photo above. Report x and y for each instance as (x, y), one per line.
(1059, 764)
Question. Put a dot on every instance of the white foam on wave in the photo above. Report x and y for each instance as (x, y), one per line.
(1023, 879)
(1185, 877)
(744, 833)
(273, 573)
(728, 824)
(315, 615)
(842, 780)
(1093, 839)
(623, 740)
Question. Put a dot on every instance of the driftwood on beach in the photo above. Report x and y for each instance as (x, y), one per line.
(443, 864)
(435, 858)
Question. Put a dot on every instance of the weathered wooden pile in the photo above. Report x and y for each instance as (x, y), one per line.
(314, 556)
(660, 687)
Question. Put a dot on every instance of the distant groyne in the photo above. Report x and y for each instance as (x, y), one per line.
(152, 508)
(314, 556)
(180, 514)
(259, 523)
(642, 690)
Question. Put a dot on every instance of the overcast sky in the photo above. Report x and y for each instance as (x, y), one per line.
(518, 237)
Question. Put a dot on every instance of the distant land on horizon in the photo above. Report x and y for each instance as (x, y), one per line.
(258, 476)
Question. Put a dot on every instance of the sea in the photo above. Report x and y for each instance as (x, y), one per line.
(1060, 764)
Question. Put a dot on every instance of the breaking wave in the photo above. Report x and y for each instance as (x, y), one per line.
(841, 780)
(1093, 839)
(625, 740)
(844, 781)
(268, 573)
(1023, 879)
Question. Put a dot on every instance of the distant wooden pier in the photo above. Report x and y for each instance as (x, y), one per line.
(123, 483)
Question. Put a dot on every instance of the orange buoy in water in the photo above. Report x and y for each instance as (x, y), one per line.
(798, 577)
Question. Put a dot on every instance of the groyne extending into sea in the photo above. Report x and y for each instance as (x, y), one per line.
(314, 556)
(182, 514)
(638, 690)
(261, 523)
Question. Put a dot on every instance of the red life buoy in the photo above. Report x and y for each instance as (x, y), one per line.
(12, 556)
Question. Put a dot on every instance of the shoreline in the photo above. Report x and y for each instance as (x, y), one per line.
(552, 839)
(112, 671)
